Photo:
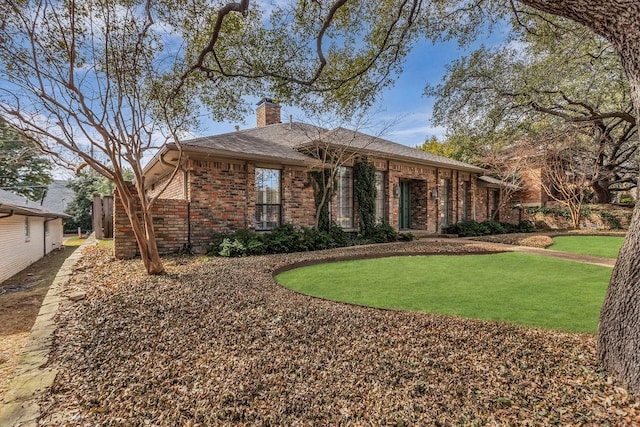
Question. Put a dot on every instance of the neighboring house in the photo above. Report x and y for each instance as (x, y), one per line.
(58, 196)
(258, 178)
(27, 233)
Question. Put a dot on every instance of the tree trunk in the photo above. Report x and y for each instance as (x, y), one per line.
(143, 232)
(601, 191)
(619, 328)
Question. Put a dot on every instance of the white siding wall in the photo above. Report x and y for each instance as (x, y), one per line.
(54, 234)
(16, 250)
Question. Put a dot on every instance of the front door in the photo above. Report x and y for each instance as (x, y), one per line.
(405, 205)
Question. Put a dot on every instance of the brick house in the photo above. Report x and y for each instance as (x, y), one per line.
(258, 178)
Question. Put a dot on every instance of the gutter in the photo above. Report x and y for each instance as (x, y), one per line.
(242, 156)
(8, 215)
(389, 156)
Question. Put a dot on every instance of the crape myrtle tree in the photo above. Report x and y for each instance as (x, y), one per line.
(103, 83)
(86, 81)
(335, 145)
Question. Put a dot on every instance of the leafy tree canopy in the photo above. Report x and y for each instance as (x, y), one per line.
(552, 71)
(461, 146)
(85, 184)
(24, 169)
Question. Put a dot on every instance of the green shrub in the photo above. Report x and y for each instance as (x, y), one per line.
(473, 228)
(627, 199)
(525, 227)
(313, 240)
(468, 229)
(406, 237)
(382, 233)
(282, 239)
(494, 227)
(287, 238)
(611, 220)
(339, 236)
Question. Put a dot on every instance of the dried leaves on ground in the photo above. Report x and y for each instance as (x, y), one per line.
(218, 342)
(520, 239)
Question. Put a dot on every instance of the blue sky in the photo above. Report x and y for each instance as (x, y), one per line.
(402, 104)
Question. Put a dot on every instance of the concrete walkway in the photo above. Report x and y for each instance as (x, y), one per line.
(587, 259)
(32, 378)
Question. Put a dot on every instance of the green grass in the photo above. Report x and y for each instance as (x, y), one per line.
(602, 246)
(106, 243)
(511, 287)
(74, 241)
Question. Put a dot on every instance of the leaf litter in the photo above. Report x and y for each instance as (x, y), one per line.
(218, 342)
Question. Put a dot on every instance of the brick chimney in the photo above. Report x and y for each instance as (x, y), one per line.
(268, 112)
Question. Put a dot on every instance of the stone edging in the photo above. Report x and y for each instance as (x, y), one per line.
(32, 379)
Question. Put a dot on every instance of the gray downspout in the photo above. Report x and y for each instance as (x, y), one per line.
(44, 233)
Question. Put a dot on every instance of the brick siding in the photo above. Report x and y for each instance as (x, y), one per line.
(169, 221)
(175, 189)
(220, 198)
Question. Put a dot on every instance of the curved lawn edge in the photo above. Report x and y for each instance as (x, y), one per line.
(356, 257)
(521, 289)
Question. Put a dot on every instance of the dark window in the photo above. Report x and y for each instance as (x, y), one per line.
(268, 200)
(446, 202)
(466, 201)
(381, 211)
(344, 197)
(494, 210)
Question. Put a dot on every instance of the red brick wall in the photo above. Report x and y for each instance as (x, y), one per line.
(219, 192)
(531, 193)
(170, 224)
(297, 198)
(267, 113)
(423, 181)
(175, 189)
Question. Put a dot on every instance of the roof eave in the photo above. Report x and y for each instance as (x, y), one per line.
(21, 210)
(469, 168)
(210, 152)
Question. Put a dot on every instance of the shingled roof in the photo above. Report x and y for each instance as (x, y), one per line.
(284, 142)
(274, 142)
(371, 144)
(13, 204)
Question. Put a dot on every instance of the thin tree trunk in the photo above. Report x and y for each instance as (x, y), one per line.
(601, 191)
(143, 232)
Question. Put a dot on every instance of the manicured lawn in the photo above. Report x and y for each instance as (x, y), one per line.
(602, 246)
(511, 287)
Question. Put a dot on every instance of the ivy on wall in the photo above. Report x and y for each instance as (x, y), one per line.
(364, 174)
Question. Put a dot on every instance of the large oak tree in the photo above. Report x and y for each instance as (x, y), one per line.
(548, 73)
(619, 330)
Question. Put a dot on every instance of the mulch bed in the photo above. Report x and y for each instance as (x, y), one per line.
(218, 342)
